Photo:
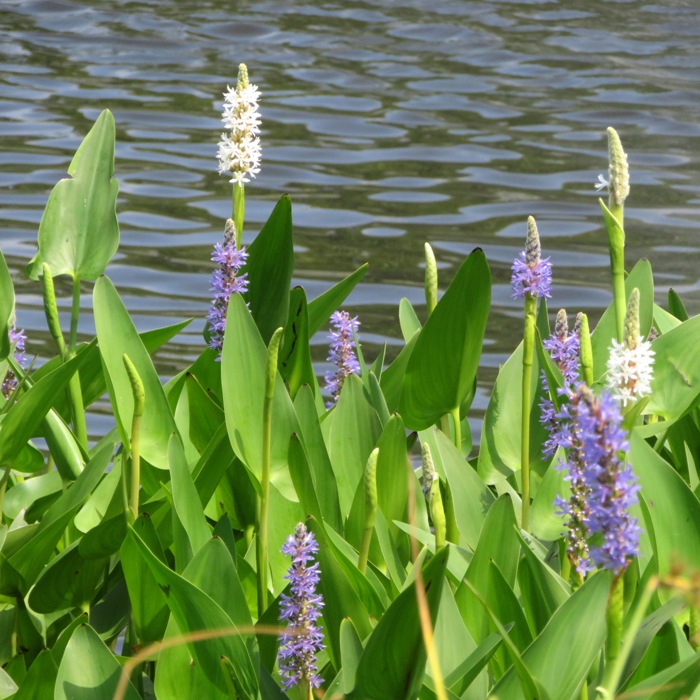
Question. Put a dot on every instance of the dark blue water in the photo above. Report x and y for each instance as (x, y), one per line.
(388, 123)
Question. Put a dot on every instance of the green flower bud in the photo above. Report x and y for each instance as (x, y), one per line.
(618, 170)
(431, 279)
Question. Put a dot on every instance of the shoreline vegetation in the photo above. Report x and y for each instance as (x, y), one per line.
(247, 532)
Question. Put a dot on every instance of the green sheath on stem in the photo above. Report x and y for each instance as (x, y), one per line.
(264, 501)
(528, 355)
(51, 310)
(585, 350)
(431, 484)
(431, 279)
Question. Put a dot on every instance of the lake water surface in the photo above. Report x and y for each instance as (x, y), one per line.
(389, 124)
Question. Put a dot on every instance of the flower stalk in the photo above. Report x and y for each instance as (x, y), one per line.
(264, 501)
(532, 278)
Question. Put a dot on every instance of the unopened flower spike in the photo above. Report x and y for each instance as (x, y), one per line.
(618, 170)
(17, 340)
(531, 273)
(301, 611)
(225, 281)
(631, 362)
(342, 353)
(239, 147)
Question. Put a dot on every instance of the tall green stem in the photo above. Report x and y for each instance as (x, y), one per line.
(371, 504)
(74, 388)
(238, 213)
(617, 267)
(458, 428)
(264, 501)
(613, 616)
(528, 355)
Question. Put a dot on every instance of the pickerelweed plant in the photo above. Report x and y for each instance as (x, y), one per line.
(559, 559)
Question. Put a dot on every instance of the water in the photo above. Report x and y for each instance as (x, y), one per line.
(388, 123)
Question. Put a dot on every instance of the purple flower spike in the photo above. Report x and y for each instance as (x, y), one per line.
(342, 353)
(603, 485)
(564, 350)
(17, 340)
(531, 274)
(301, 611)
(225, 281)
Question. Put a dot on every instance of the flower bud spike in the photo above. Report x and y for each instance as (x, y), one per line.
(618, 170)
(431, 279)
(632, 320)
(51, 309)
(585, 349)
(431, 489)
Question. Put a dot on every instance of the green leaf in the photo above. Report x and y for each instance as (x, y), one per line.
(295, 363)
(676, 382)
(25, 417)
(40, 679)
(443, 364)
(206, 417)
(321, 308)
(270, 266)
(78, 233)
(392, 664)
(195, 611)
(673, 508)
(89, 670)
(117, 337)
(7, 307)
(7, 686)
(392, 377)
(350, 653)
(351, 432)
(676, 306)
(149, 608)
(678, 681)
(640, 277)
(471, 497)
(408, 319)
(243, 368)
(561, 657)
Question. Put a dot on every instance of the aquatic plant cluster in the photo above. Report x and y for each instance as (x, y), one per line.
(247, 532)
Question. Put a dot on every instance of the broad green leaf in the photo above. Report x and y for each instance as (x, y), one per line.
(442, 367)
(673, 508)
(7, 685)
(7, 307)
(78, 233)
(23, 494)
(29, 559)
(547, 522)
(206, 416)
(640, 277)
(243, 367)
(193, 611)
(408, 319)
(270, 266)
(351, 433)
(676, 382)
(679, 681)
(471, 497)
(321, 308)
(542, 590)
(393, 471)
(25, 417)
(117, 337)
(392, 377)
(319, 461)
(350, 653)
(676, 306)
(295, 363)
(68, 581)
(393, 661)
(89, 670)
(561, 657)
(40, 679)
(190, 529)
(149, 608)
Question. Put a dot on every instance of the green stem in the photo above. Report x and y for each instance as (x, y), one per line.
(364, 549)
(74, 388)
(458, 429)
(613, 616)
(616, 246)
(139, 396)
(238, 214)
(528, 355)
(264, 502)
(613, 670)
(3, 486)
(694, 627)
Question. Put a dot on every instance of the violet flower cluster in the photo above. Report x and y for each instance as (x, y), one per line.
(225, 281)
(301, 610)
(17, 340)
(531, 273)
(601, 529)
(564, 350)
(342, 353)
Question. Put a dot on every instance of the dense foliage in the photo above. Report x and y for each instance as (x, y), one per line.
(166, 558)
